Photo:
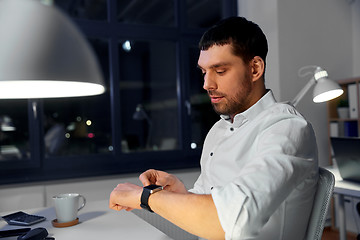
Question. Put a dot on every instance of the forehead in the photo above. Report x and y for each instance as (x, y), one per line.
(218, 54)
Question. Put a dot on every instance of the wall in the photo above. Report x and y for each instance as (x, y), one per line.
(264, 13)
(355, 14)
(35, 195)
(307, 32)
(17, 197)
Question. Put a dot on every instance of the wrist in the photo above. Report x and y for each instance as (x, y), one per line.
(146, 193)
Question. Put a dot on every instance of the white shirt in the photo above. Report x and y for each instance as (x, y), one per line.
(261, 171)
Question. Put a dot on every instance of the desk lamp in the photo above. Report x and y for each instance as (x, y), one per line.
(140, 114)
(43, 55)
(324, 90)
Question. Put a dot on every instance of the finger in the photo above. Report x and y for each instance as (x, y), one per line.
(112, 202)
(148, 177)
(116, 207)
(165, 181)
(144, 179)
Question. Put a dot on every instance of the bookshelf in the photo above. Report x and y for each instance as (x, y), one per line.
(349, 125)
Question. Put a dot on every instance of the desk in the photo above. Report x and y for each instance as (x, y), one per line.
(343, 188)
(97, 221)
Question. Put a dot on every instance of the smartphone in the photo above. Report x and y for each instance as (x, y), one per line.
(14, 232)
(22, 219)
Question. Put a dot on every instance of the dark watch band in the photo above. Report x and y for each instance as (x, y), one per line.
(147, 191)
(145, 200)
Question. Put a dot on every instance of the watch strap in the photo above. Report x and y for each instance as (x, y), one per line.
(147, 191)
(145, 199)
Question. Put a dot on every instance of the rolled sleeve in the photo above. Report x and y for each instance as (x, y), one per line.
(228, 207)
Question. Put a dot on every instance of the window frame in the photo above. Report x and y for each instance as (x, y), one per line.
(39, 168)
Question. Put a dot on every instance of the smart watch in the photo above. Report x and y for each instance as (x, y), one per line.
(147, 191)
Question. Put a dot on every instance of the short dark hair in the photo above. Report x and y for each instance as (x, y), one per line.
(246, 37)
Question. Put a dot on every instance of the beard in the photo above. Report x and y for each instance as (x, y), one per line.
(238, 103)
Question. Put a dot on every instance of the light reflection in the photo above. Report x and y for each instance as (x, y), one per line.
(47, 89)
(126, 46)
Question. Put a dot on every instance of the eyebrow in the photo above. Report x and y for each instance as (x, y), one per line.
(216, 65)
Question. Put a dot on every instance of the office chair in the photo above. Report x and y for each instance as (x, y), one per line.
(321, 205)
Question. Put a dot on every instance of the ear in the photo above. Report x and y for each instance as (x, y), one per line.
(257, 68)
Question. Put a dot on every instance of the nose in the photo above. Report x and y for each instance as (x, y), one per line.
(209, 82)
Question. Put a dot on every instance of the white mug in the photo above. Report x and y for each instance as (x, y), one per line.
(67, 206)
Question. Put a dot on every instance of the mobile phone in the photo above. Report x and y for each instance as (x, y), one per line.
(22, 219)
(14, 232)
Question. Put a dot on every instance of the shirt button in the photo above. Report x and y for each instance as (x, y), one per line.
(211, 153)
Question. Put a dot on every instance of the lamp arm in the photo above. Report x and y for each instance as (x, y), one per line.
(303, 91)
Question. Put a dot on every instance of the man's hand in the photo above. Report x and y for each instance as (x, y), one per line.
(195, 213)
(125, 196)
(168, 181)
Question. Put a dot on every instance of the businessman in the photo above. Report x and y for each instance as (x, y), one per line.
(259, 165)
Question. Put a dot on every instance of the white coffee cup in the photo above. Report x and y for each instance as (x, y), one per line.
(67, 206)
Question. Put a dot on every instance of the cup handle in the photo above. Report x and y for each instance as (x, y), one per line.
(84, 202)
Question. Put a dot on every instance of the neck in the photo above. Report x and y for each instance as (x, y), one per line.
(258, 93)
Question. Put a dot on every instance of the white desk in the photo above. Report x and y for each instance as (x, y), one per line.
(343, 188)
(97, 221)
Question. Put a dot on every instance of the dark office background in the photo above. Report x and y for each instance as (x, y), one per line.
(154, 113)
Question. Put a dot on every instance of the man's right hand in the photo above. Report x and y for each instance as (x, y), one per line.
(168, 181)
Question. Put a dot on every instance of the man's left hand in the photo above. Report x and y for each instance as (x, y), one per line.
(125, 196)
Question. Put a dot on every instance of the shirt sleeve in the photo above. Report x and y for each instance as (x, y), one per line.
(285, 156)
(198, 186)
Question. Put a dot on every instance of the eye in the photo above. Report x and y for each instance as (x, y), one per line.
(221, 71)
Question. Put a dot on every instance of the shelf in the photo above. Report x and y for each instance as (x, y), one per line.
(348, 81)
(343, 119)
(344, 127)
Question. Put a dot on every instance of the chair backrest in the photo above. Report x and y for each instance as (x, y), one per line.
(321, 205)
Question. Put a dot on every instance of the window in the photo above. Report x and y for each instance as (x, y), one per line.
(204, 14)
(201, 112)
(14, 131)
(148, 96)
(154, 113)
(80, 125)
(158, 12)
(88, 10)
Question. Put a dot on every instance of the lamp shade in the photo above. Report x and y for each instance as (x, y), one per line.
(140, 113)
(43, 55)
(326, 90)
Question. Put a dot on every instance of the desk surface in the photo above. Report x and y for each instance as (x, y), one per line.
(344, 187)
(97, 221)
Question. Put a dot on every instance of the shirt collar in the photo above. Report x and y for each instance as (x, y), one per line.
(265, 102)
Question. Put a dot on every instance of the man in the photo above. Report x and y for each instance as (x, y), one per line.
(259, 162)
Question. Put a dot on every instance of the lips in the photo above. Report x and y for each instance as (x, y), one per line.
(216, 99)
